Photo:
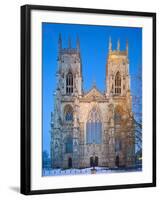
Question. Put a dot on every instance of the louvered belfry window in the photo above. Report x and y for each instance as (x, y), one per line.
(118, 83)
(69, 83)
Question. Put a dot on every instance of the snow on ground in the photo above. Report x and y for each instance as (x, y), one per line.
(99, 170)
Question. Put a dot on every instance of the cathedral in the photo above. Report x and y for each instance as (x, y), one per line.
(92, 128)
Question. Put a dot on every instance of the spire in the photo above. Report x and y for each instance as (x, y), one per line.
(118, 45)
(60, 42)
(94, 82)
(110, 44)
(69, 42)
(78, 44)
(127, 47)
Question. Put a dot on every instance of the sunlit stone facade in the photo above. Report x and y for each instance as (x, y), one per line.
(92, 128)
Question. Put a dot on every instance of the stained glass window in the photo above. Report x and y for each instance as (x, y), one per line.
(68, 113)
(69, 116)
(69, 145)
(94, 128)
(117, 117)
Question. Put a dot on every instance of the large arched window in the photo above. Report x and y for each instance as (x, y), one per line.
(68, 113)
(69, 145)
(69, 83)
(69, 116)
(94, 128)
(117, 117)
(118, 83)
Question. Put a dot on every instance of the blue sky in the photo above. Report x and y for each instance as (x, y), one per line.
(94, 50)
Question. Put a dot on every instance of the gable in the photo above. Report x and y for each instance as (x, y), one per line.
(93, 95)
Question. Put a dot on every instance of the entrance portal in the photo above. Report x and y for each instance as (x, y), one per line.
(96, 161)
(69, 162)
(117, 161)
(93, 161)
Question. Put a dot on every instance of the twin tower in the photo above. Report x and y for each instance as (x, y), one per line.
(86, 127)
(70, 64)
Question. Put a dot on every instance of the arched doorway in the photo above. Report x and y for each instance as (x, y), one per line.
(91, 162)
(96, 161)
(69, 162)
(117, 161)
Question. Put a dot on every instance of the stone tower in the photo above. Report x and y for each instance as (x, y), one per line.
(117, 72)
(118, 90)
(65, 120)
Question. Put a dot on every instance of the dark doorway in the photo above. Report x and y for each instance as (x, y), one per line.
(96, 161)
(69, 162)
(91, 162)
(117, 161)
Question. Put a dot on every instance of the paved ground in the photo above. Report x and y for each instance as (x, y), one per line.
(98, 170)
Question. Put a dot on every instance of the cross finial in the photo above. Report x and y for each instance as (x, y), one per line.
(110, 44)
(118, 45)
(94, 82)
(60, 42)
(69, 42)
(78, 44)
(127, 47)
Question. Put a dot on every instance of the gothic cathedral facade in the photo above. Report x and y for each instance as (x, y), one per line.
(92, 128)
